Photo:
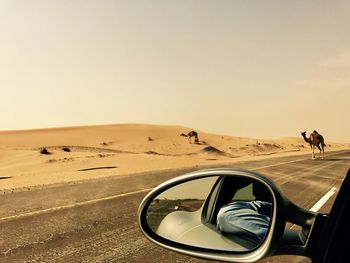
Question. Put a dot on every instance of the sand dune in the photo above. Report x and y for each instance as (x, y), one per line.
(81, 153)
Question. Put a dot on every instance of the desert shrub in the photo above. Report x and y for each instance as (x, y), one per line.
(44, 151)
(66, 149)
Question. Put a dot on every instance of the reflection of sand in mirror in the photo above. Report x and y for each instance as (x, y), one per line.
(195, 189)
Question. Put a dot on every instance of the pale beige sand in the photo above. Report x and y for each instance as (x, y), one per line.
(113, 150)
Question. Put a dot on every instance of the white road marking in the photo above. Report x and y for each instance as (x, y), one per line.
(323, 200)
(72, 205)
(272, 165)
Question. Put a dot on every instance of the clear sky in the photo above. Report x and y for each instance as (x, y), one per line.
(262, 69)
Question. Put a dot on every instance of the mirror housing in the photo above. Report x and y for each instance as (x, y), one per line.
(278, 240)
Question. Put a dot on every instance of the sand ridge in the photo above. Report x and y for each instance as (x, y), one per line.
(88, 152)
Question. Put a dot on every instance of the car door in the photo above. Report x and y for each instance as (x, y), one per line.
(333, 244)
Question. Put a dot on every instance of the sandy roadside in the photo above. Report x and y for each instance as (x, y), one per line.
(85, 153)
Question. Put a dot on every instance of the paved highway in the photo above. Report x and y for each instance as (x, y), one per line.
(95, 221)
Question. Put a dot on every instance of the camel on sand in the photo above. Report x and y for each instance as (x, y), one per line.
(190, 135)
(315, 139)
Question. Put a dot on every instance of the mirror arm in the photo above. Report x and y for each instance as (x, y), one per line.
(299, 216)
(296, 242)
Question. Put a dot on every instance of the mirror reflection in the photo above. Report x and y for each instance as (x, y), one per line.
(219, 212)
(187, 197)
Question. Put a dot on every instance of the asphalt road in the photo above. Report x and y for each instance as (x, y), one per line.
(95, 221)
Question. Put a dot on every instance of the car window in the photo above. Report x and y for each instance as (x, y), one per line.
(209, 209)
(244, 194)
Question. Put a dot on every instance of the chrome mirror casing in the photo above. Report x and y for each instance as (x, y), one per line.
(268, 246)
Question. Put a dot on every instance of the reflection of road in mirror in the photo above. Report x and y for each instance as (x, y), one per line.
(220, 212)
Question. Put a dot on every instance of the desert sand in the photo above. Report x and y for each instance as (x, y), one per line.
(89, 152)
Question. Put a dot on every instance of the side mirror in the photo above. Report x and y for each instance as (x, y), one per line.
(224, 214)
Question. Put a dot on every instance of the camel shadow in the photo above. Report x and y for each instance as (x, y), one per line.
(201, 143)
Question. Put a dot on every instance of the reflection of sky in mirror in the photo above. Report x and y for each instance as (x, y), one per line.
(195, 189)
